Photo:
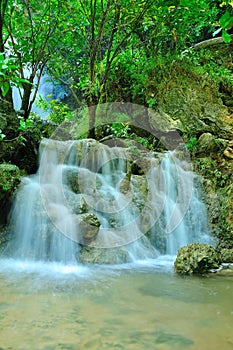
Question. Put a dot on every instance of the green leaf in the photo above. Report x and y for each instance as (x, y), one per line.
(226, 19)
(226, 37)
(5, 88)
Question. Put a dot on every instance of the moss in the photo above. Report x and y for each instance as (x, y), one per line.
(9, 179)
(226, 255)
(196, 258)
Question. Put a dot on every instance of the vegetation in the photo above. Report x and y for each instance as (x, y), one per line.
(100, 50)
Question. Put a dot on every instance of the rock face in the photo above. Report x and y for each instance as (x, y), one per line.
(196, 258)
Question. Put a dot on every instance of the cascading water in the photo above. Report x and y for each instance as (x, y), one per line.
(47, 90)
(88, 197)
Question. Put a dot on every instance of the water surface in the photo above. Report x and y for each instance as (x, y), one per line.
(140, 306)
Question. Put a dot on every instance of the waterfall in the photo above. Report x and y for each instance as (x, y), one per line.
(47, 90)
(87, 194)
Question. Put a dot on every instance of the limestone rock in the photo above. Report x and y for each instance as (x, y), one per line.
(94, 255)
(226, 255)
(207, 144)
(228, 152)
(163, 121)
(76, 202)
(88, 227)
(196, 258)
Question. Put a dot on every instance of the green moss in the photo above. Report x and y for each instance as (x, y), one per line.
(9, 178)
(196, 258)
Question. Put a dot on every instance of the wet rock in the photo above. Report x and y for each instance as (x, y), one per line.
(76, 202)
(88, 227)
(95, 255)
(196, 258)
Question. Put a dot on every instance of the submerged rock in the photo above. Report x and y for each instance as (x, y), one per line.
(196, 258)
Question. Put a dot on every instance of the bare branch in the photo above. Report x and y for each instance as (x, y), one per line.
(210, 42)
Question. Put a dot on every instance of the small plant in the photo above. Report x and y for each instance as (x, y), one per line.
(120, 129)
(25, 124)
(2, 136)
(192, 144)
(9, 74)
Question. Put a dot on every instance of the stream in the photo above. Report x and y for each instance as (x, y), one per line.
(142, 305)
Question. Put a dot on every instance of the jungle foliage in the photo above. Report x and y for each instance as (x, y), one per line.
(100, 50)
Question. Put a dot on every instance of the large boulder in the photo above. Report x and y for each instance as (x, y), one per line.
(196, 258)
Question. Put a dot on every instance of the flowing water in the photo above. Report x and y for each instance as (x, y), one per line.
(49, 300)
(79, 178)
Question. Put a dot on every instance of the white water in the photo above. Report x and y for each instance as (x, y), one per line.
(76, 177)
(47, 90)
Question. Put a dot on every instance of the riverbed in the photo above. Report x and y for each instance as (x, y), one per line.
(139, 306)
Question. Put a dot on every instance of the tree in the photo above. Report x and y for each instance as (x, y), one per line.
(106, 27)
(29, 32)
(102, 32)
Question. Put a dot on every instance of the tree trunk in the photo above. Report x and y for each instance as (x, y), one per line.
(25, 105)
(92, 106)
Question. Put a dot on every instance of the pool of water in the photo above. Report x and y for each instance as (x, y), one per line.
(141, 306)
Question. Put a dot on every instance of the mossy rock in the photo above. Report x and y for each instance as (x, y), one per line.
(226, 255)
(88, 224)
(196, 258)
(9, 180)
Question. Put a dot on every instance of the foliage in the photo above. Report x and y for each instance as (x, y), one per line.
(192, 144)
(208, 167)
(25, 123)
(10, 178)
(28, 35)
(2, 136)
(9, 74)
(57, 110)
(119, 129)
(103, 50)
(226, 20)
